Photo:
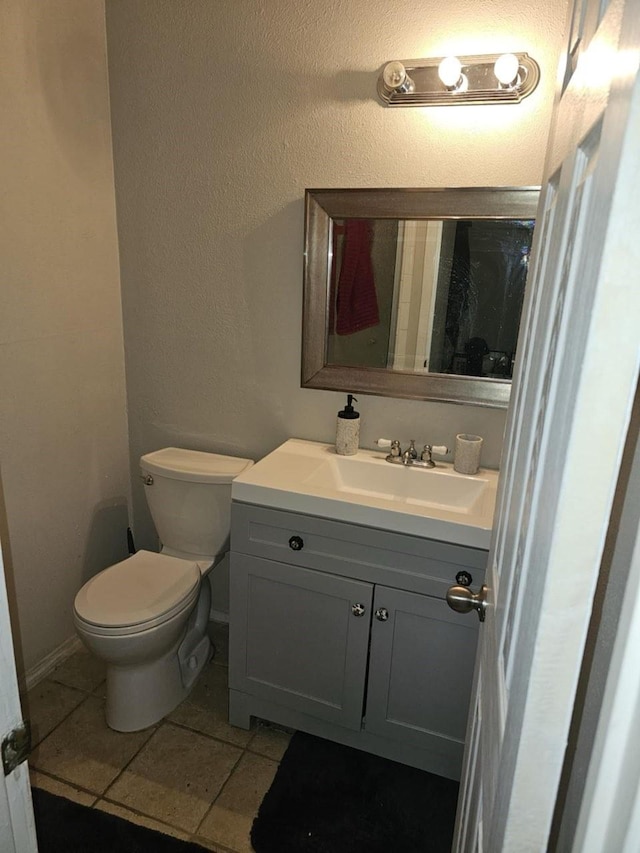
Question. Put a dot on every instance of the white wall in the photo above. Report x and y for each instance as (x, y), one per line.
(63, 440)
(223, 113)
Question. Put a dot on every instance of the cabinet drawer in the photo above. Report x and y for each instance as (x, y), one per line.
(353, 551)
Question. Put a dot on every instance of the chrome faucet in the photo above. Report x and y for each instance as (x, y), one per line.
(410, 455)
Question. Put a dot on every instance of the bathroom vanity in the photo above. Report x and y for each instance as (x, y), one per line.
(341, 628)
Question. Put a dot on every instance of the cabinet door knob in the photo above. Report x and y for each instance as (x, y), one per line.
(358, 609)
(296, 543)
(382, 614)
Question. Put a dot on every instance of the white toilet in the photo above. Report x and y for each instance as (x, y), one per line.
(147, 616)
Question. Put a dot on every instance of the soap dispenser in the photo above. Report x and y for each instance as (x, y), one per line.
(348, 429)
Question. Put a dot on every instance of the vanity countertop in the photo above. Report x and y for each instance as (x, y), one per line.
(309, 477)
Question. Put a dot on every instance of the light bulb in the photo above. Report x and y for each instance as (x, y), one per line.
(506, 69)
(394, 74)
(449, 71)
(395, 77)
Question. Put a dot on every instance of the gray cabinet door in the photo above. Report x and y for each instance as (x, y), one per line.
(421, 671)
(296, 641)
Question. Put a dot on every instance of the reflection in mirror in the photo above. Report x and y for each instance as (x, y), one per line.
(416, 293)
(431, 296)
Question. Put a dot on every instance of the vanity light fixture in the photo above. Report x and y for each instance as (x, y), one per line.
(489, 79)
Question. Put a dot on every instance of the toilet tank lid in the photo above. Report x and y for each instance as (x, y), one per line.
(194, 465)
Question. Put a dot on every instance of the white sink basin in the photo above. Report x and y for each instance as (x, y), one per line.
(373, 477)
(438, 503)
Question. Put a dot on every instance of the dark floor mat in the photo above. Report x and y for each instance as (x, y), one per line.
(66, 827)
(328, 798)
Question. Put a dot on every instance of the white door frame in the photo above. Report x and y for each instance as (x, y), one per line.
(17, 826)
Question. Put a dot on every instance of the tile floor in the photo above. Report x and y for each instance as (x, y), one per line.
(192, 775)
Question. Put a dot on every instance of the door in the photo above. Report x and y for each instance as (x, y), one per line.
(420, 672)
(571, 400)
(17, 827)
(300, 638)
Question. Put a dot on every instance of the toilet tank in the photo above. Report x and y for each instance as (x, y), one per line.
(189, 495)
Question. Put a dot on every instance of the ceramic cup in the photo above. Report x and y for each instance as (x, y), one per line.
(467, 454)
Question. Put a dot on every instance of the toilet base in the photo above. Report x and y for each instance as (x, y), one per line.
(139, 696)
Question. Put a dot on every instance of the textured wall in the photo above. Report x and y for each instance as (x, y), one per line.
(222, 114)
(63, 430)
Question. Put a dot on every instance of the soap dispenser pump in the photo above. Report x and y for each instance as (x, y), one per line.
(348, 429)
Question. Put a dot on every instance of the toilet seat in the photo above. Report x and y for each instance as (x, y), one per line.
(139, 593)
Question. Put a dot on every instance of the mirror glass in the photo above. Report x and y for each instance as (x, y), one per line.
(416, 293)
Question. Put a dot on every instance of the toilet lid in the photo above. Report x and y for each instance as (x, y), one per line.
(144, 587)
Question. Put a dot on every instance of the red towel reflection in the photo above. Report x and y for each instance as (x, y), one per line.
(355, 299)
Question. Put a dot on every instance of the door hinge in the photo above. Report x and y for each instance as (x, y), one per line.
(16, 747)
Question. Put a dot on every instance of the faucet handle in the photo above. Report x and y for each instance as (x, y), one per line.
(438, 449)
(428, 449)
(394, 445)
(387, 442)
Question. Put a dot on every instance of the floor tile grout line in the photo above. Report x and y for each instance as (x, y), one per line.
(153, 730)
(127, 808)
(264, 755)
(165, 721)
(187, 728)
(245, 750)
(65, 782)
(100, 794)
(86, 697)
(222, 787)
(55, 680)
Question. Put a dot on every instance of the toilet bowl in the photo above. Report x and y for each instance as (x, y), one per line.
(147, 616)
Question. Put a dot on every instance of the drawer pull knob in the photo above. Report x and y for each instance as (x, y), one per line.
(296, 543)
(382, 614)
(358, 609)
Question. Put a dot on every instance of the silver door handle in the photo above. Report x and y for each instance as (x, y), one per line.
(358, 609)
(462, 600)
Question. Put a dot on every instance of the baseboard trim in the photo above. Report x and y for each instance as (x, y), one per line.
(41, 670)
